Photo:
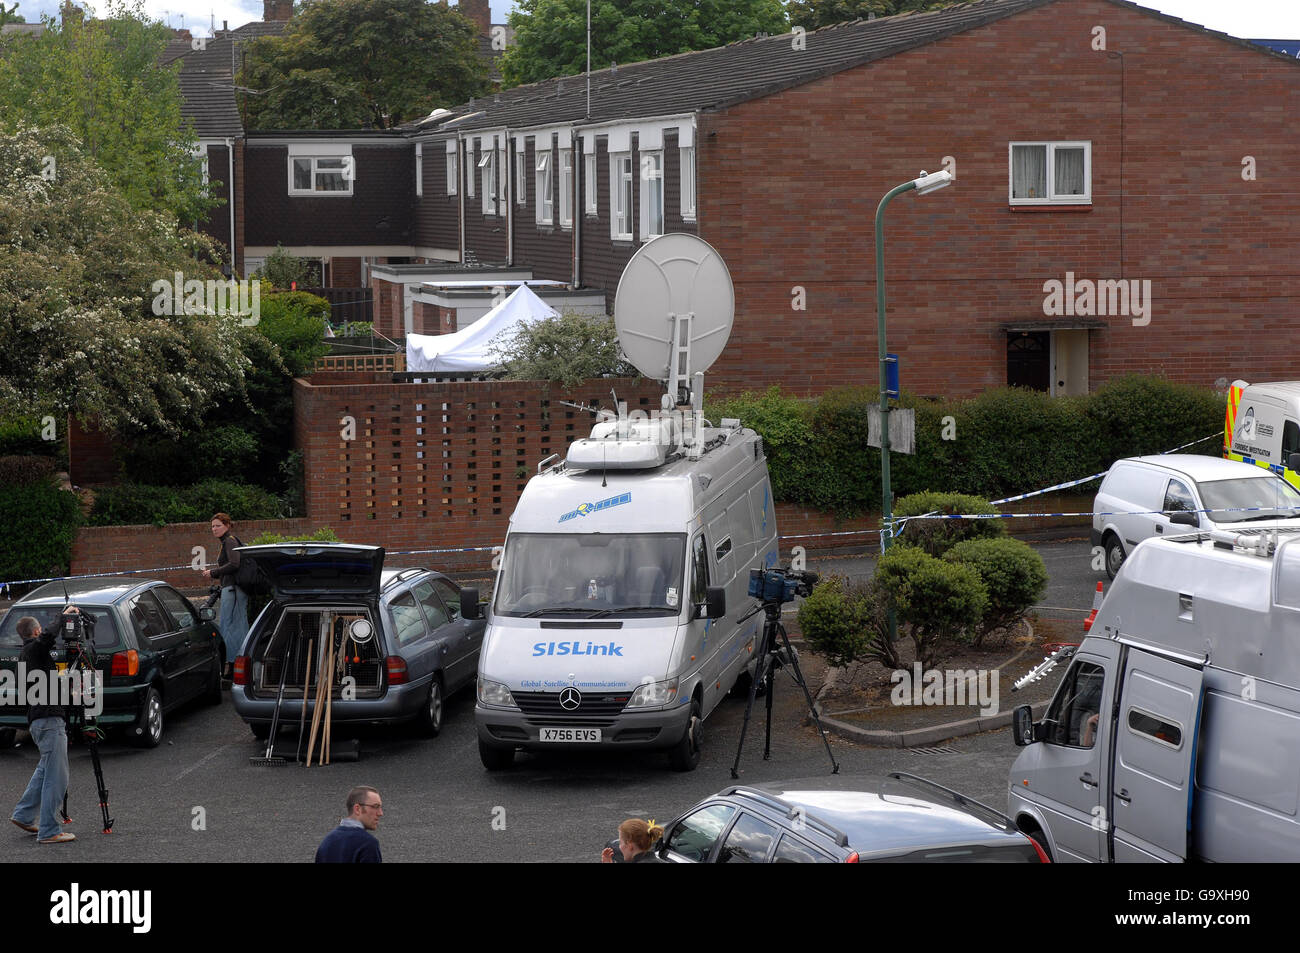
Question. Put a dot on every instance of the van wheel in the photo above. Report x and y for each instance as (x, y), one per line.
(1114, 555)
(495, 759)
(431, 716)
(685, 755)
(148, 730)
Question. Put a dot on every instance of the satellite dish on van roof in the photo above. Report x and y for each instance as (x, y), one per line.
(675, 281)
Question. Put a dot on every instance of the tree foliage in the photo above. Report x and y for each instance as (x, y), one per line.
(551, 35)
(76, 265)
(9, 14)
(815, 14)
(102, 79)
(568, 349)
(362, 64)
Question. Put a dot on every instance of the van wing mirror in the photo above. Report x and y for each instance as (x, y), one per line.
(1186, 519)
(715, 601)
(469, 607)
(1293, 462)
(1023, 730)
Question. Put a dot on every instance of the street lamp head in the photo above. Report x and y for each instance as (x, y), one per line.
(929, 182)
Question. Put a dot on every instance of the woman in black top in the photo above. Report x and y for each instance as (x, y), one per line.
(234, 600)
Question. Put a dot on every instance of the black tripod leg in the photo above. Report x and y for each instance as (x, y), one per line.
(760, 672)
(771, 690)
(812, 707)
(99, 782)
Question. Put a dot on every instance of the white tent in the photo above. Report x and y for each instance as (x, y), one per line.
(471, 350)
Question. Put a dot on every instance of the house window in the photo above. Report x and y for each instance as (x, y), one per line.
(566, 188)
(1051, 173)
(589, 177)
(688, 183)
(321, 174)
(469, 170)
(545, 202)
(201, 153)
(487, 168)
(451, 171)
(521, 178)
(419, 169)
(501, 178)
(652, 195)
(620, 199)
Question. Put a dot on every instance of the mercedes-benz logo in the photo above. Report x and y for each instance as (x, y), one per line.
(570, 699)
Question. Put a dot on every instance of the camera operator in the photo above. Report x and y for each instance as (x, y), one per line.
(48, 726)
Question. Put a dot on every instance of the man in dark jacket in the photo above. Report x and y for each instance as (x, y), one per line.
(352, 841)
(47, 724)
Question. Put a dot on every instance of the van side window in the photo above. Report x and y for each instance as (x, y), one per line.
(1155, 728)
(1073, 717)
(699, 571)
(1290, 440)
(1178, 498)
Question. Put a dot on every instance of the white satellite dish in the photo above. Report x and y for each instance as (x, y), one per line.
(674, 308)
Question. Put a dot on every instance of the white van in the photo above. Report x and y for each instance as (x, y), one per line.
(1184, 487)
(615, 622)
(1172, 735)
(1262, 426)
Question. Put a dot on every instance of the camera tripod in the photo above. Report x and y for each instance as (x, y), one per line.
(771, 656)
(88, 725)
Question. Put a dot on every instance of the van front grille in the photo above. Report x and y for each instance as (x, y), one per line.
(592, 703)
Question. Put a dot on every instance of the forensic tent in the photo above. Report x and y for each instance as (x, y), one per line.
(471, 350)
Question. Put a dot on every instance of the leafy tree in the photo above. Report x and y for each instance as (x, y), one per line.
(77, 262)
(568, 349)
(102, 79)
(815, 14)
(551, 35)
(10, 15)
(281, 269)
(352, 64)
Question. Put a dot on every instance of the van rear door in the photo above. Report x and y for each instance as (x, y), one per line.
(1155, 750)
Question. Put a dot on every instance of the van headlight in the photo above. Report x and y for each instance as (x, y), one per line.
(654, 694)
(495, 694)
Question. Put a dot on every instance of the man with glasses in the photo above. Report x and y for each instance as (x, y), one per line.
(352, 841)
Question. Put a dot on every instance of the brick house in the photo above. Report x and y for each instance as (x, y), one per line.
(1123, 197)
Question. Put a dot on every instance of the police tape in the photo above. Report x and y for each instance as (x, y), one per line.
(1006, 516)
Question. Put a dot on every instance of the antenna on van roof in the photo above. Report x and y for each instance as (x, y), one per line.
(674, 309)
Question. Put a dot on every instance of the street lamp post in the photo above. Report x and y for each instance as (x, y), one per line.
(923, 185)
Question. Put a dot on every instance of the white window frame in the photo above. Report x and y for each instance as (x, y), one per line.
(620, 175)
(200, 151)
(488, 163)
(470, 165)
(687, 182)
(545, 199)
(315, 154)
(590, 184)
(652, 160)
(419, 169)
(521, 177)
(566, 188)
(453, 156)
(1051, 198)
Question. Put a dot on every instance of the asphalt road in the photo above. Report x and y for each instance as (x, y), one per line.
(197, 798)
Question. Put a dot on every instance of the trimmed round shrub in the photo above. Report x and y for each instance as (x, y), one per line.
(936, 536)
(829, 620)
(1013, 575)
(933, 601)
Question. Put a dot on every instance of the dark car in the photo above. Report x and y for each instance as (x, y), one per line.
(898, 819)
(400, 643)
(155, 650)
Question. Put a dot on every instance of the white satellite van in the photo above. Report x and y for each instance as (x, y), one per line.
(615, 622)
(1174, 734)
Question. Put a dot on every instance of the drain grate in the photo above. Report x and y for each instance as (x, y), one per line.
(934, 749)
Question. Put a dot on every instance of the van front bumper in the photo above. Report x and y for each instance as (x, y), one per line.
(509, 728)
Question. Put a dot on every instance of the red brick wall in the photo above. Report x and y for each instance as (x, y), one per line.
(388, 316)
(111, 549)
(345, 272)
(789, 185)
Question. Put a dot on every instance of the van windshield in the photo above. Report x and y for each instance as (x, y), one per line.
(589, 575)
(1273, 496)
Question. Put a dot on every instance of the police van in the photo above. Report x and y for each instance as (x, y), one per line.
(1173, 733)
(616, 620)
(1262, 426)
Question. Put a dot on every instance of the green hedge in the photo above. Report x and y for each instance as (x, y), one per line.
(37, 524)
(322, 535)
(1003, 442)
(131, 503)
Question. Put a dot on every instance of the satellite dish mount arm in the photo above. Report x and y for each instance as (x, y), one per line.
(679, 357)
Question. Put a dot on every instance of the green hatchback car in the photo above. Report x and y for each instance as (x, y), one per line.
(155, 651)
